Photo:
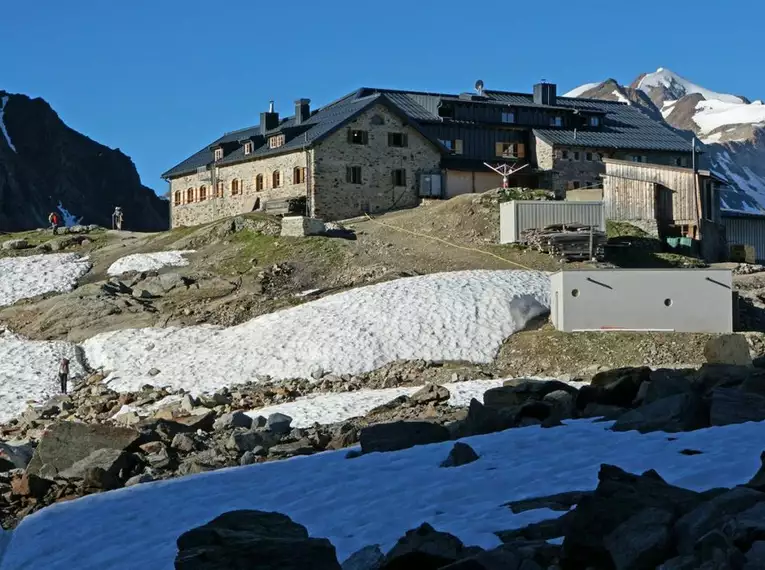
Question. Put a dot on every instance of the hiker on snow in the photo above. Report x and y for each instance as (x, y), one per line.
(54, 222)
(63, 374)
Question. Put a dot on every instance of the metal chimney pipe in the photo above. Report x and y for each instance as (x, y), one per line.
(270, 106)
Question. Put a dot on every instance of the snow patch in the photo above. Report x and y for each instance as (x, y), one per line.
(578, 91)
(376, 498)
(338, 407)
(29, 276)
(28, 371)
(711, 115)
(69, 218)
(463, 315)
(149, 261)
(679, 86)
(3, 103)
(620, 97)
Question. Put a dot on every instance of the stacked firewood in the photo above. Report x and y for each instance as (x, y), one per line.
(567, 241)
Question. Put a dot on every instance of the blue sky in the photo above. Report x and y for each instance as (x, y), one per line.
(160, 79)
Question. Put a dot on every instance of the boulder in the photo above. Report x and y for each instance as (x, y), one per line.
(617, 387)
(504, 557)
(461, 454)
(755, 557)
(642, 541)
(242, 441)
(728, 349)
(424, 548)
(400, 435)
(183, 442)
(431, 393)
(692, 526)
(66, 443)
(240, 540)
(666, 382)
(279, 423)
(18, 455)
(368, 558)
(683, 412)
(483, 419)
(15, 244)
(112, 461)
(563, 403)
(300, 447)
(518, 391)
(233, 420)
(29, 485)
(138, 479)
(733, 406)
(619, 497)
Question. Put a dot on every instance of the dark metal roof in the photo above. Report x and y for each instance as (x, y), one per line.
(624, 126)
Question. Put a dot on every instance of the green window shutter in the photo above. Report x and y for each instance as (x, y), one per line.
(365, 137)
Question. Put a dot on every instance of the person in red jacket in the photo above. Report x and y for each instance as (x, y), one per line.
(54, 222)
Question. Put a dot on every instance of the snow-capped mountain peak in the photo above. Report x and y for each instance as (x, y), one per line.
(675, 87)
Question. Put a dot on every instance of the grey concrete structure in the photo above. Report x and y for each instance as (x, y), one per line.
(669, 300)
(519, 215)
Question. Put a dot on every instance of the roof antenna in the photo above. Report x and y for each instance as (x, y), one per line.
(270, 106)
(479, 86)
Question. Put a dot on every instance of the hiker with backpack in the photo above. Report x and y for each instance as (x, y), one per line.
(63, 373)
(54, 222)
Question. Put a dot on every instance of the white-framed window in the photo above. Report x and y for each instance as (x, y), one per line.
(276, 141)
(508, 117)
(556, 121)
(248, 146)
(218, 154)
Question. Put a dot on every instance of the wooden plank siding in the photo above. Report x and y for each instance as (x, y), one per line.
(627, 199)
(679, 182)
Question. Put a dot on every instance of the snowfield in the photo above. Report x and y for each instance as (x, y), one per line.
(711, 115)
(375, 498)
(149, 261)
(29, 371)
(578, 91)
(679, 86)
(29, 276)
(337, 407)
(448, 316)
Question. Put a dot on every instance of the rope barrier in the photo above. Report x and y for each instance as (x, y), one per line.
(368, 217)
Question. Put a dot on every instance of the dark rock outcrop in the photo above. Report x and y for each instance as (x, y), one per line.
(54, 164)
(253, 539)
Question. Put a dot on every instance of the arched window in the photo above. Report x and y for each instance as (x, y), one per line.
(219, 190)
(298, 175)
(178, 197)
(202, 193)
(276, 179)
(259, 183)
(234, 187)
(189, 195)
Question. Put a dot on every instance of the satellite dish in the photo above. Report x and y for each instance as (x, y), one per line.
(479, 86)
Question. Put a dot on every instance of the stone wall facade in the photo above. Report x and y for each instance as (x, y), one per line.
(247, 197)
(582, 167)
(334, 197)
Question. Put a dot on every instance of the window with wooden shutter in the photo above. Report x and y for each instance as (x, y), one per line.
(398, 177)
(353, 174)
(397, 140)
(458, 146)
(357, 137)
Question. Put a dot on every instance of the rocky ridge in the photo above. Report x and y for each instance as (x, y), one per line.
(46, 166)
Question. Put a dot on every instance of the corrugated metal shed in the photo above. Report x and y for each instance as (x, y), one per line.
(746, 230)
(519, 215)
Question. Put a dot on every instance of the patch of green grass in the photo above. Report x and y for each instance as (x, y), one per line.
(616, 229)
(248, 245)
(97, 238)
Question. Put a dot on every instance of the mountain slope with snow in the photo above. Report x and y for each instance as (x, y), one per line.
(731, 128)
